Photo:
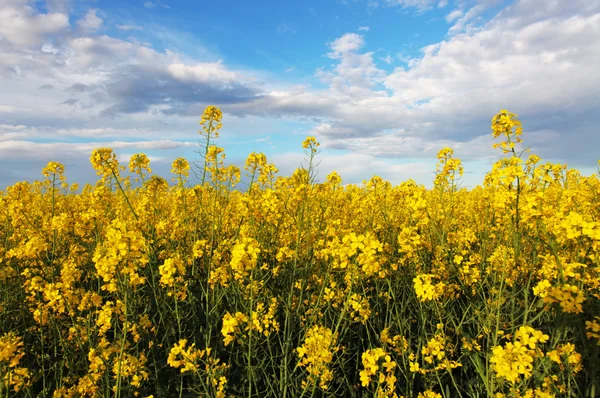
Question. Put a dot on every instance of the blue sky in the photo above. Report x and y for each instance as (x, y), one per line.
(382, 84)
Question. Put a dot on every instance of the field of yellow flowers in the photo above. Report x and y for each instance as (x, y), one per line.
(285, 287)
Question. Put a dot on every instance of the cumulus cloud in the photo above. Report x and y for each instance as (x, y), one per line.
(90, 22)
(138, 88)
(464, 20)
(347, 43)
(447, 96)
(202, 72)
(515, 65)
(61, 6)
(540, 62)
(21, 25)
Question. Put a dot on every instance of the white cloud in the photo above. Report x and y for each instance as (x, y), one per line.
(420, 5)
(467, 18)
(363, 29)
(90, 22)
(347, 43)
(356, 167)
(20, 25)
(126, 157)
(515, 65)
(61, 6)
(446, 97)
(9, 109)
(129, 27)
(355, 72)
(454, 15)
(9, 132)
(16, 149)
(202, 72)
(23, 159)
(539, 62)
(402, 144)
(103, 132)
(387, 59)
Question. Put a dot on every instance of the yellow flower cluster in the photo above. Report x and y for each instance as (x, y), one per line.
(186, 358)
(360, 254)
(232, 326)
(244, 256)
(570, 297)
(447, 168)
(172, 274)
(105, 162)
(514, 361)
(359, 308)
(593, 329)
(211, 121)
(181, 168)
(289, 277)
(140, 164)
(310, 143)
(121, 256)
(12, 376)
(425, 289)
(397, 343)
(434, 356)
(316, 355)
(190, 359)
(566, 356)
(429, 394)
(124, 366)
(378, 365)
(506, 124)
(262, 319)
(131, 367)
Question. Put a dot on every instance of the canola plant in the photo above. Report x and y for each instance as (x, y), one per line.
(289, 287)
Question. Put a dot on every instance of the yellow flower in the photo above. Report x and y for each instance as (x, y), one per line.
(429, 394)
(310, 142)
(316, 355)
(425, 289)
(515, 360)
(231, 326)
(211, 121)
(138, 163)
(181, 167)
(104, 161)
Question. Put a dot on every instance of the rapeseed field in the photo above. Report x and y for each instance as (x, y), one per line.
(288, 287)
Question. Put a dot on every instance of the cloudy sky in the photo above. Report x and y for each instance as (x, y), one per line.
(382, 84)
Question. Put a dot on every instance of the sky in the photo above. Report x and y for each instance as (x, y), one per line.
(382, 84)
